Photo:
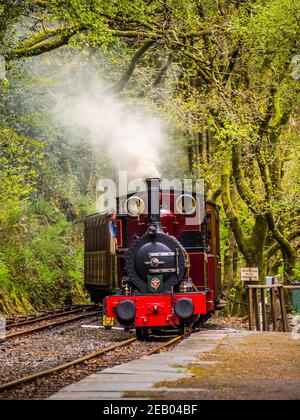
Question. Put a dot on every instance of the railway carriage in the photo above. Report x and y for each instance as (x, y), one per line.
(159, 267)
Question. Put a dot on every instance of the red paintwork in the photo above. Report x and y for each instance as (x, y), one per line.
(173, 224)
(167, 219)
(120, 233)
(211, 272)
(210, 301)
(145, 314)
(197, 270)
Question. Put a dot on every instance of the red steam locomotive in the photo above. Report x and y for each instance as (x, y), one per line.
(153, 263)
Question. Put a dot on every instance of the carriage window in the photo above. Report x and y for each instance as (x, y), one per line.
(186, 204)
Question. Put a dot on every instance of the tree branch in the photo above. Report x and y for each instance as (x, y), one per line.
(284, 243)
(204, 71)
(229, 208)
(118, 87)
(163, 71)
(264, 171)
(212, 196)
(243, 190)
(276, 246)
(29, 49)
(55, 38)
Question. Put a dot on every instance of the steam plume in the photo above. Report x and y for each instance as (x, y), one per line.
(132, 139)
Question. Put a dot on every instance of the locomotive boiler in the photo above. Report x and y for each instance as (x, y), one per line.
(154, 264)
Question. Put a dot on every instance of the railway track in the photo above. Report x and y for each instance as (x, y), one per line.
(52, 314)
(29, 331)
(26, 379)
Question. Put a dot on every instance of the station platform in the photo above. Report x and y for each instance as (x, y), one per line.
(212, 364)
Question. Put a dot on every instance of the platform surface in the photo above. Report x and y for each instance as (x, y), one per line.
(207, 365)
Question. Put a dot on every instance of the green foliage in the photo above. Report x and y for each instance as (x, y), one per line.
(20, 160)
(41, 260)
(220, 72)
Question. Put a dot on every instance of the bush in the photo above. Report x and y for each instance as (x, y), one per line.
(41, 259)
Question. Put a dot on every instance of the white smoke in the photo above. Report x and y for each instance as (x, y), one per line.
(132, 138)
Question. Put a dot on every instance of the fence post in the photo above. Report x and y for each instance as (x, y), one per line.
(273, 308)
(256, 306)
(250, 308)
(264, 311)
(283, 310)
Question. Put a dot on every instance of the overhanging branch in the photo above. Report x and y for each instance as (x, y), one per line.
(55, 38)
(283, 242)
(118, 87)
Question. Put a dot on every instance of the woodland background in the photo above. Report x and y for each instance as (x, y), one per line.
(224, 75)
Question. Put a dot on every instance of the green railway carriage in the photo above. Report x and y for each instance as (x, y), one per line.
(100, 263)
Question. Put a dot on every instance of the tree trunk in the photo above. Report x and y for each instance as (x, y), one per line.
(251, 247)
(208, 143)
(230, 262)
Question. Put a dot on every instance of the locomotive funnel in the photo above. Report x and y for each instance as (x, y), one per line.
(153, 186)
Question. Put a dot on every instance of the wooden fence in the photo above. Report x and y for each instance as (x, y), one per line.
(257, 307)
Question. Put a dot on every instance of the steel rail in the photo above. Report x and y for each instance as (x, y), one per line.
(50, 316)
(33, 330)
(167, 344)
(47, 312)
(56, 369)
(83, 359)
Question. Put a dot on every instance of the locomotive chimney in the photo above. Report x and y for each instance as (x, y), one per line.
(153, 186)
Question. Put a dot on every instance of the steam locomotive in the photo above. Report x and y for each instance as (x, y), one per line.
(153, 264)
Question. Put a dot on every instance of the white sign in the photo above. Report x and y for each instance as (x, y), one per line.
(249, 274)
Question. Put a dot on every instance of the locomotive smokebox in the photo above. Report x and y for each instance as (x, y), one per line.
(153, 187)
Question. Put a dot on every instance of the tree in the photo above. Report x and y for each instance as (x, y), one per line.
(220, 72)
(20, 159)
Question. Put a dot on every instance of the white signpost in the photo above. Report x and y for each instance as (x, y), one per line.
(250, 274)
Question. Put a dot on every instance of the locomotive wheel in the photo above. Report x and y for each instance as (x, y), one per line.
(184, 328)
(142, 333)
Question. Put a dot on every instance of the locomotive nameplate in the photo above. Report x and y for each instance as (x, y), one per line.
(250, 274)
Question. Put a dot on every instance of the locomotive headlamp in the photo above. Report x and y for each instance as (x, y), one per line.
(134, 206)
(184, 308)
(152, 230)
(126, 311)
(186, 204)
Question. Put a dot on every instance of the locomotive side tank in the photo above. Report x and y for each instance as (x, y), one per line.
(162, 272)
